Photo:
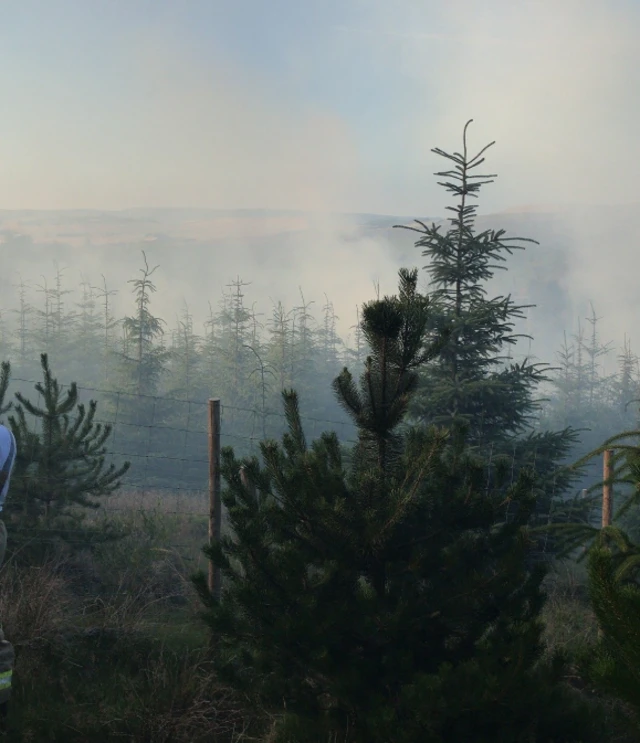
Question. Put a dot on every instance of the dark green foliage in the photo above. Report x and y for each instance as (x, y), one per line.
(389, 601)
(143, 356)
(61, 462)
(625, 481)
(5, 378)
(471, 380)
(474, 380)
(614, 665)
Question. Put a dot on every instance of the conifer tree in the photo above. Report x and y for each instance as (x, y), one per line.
(614, 665)
(55, 324)
(144, 357)
(44, 328)
(626, 385)
(5, 378)
(22, 331)
(210, 352)
(280, 344)
(356, 354)
(304, 340)
(109, 323)
(595, 350)
(60, 468)
(256, 326)
(86, 352)
(389, 602)
(303, 367)
(6, 341)
(235, 331)
(582, 397)
(328, 337)
(185, 357)
(473, 380)
(62, 321)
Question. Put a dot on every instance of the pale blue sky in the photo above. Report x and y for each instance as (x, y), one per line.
(322, 104)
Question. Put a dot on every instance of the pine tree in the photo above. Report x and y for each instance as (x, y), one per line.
(263, 375)
(567, 383)
(583, 398)
(235, 330)
(210, 369)
(303, 374)
(626, 385)
(390, 602)
(597, 382)
(6, 341)
(328, 338)
(473, 380)
(22, 332)
(185, 357)
(60, 468)
(613, 666)
(62, 321)
(53, 332)
(86, 351)
(280, 344)
(109, 323)
(44, 328)
(356, 354)
(144, 356)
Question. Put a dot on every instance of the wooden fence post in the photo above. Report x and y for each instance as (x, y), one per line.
(215, 507)
(607, 488)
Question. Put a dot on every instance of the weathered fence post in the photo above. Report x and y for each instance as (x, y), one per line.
(215, 507)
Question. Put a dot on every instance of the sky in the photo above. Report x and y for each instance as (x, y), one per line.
(321, 105)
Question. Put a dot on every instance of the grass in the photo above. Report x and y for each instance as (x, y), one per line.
(109, 645)
(108, 642)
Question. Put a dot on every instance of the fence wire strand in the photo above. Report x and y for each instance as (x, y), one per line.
(168, 447)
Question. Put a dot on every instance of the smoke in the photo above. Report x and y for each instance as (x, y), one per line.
(552, 82)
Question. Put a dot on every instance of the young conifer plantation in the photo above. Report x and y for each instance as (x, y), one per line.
(406, 554)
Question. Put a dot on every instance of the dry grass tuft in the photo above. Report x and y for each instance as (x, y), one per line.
(34, 602)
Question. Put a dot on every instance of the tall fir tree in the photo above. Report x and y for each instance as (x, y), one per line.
(144, 356)
(85, 350)
(109, 325)
(22, 333)
(185, 357)
(473, 380)
(280, 350)
(236, 330)
(389, 602)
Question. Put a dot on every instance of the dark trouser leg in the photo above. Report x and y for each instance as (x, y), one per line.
(7, 655)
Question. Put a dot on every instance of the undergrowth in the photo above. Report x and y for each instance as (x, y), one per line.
(109, 644)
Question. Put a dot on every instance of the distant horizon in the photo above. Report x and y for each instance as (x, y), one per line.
(516, 209)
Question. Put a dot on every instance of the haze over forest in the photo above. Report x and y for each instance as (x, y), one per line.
(171, 112)
(199, 252)
(254, 486)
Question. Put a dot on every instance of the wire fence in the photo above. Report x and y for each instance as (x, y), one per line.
(166, 441)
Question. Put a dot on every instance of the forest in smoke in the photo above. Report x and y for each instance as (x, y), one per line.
(121, 304)
(425, 437)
